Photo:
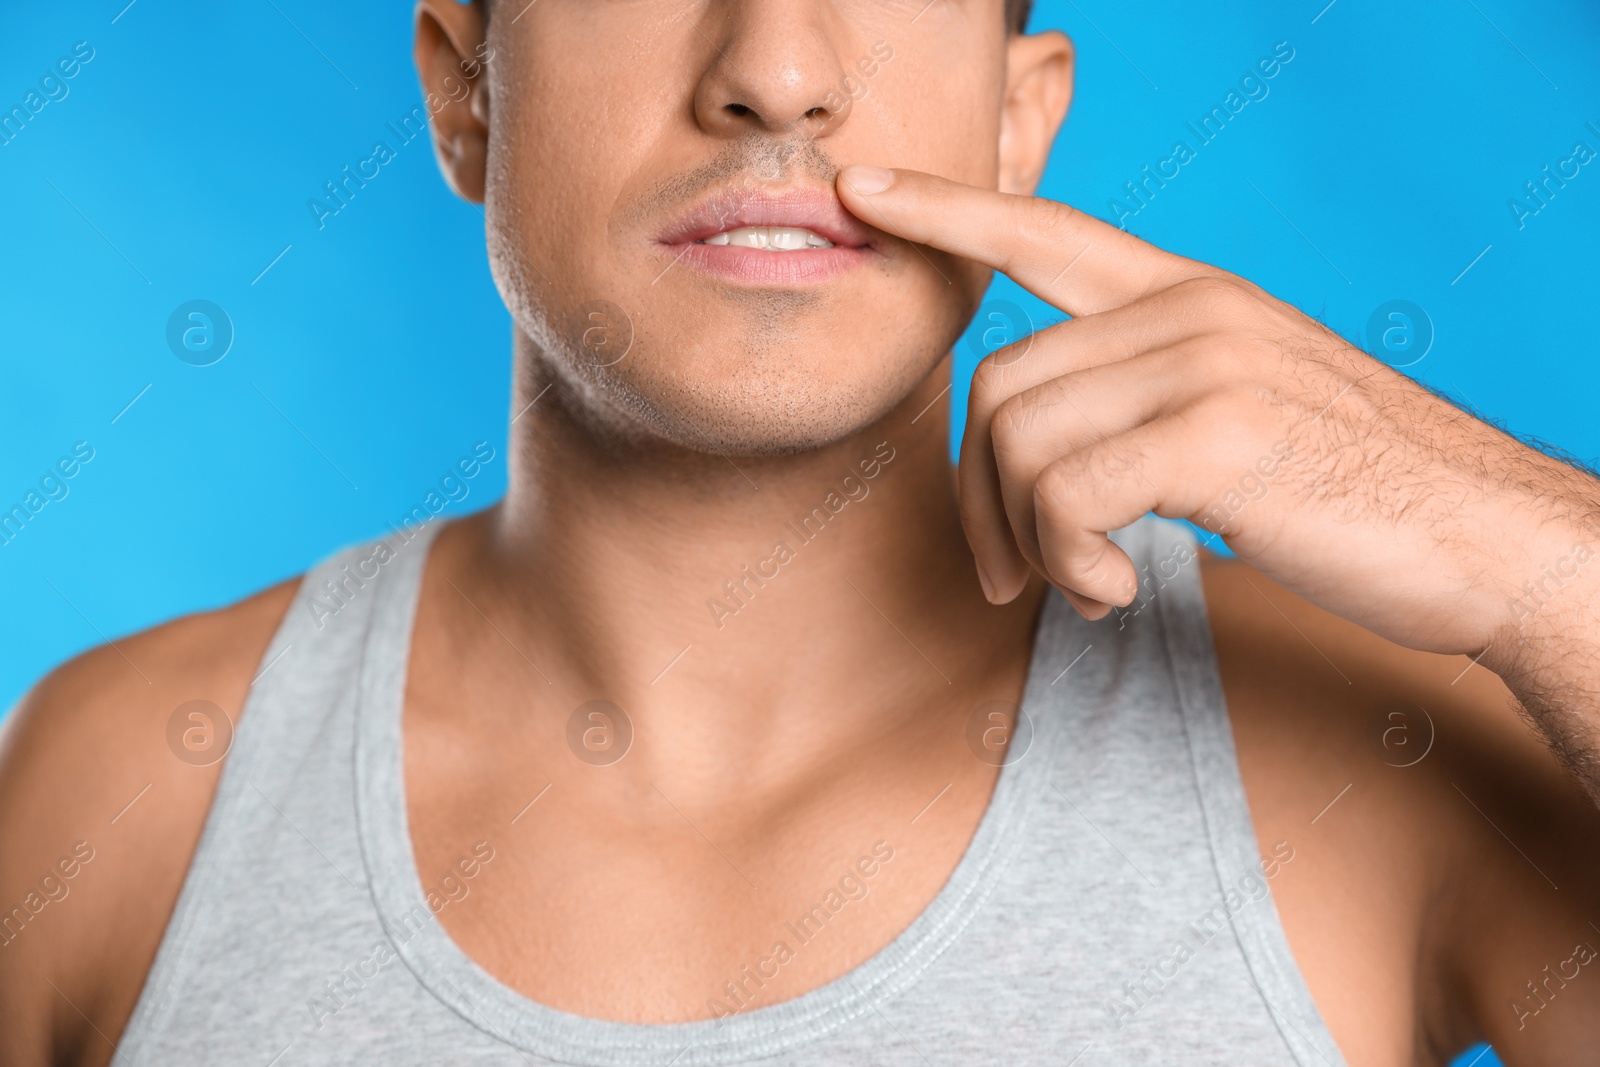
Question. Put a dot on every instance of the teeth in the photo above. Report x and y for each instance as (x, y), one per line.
(770, 238)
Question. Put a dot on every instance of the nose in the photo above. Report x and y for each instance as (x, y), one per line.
(775, 67)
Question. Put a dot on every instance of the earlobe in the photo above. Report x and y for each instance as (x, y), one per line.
(1039, 71)
(451, 57)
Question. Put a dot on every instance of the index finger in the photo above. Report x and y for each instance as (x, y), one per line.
(1056, 252)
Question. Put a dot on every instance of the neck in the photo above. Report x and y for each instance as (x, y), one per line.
(746, 603)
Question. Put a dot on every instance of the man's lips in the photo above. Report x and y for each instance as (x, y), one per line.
(811, 208)
(802, 207)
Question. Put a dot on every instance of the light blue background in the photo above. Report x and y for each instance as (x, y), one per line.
(1379, 166)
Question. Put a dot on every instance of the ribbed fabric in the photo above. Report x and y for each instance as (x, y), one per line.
(1112, 907)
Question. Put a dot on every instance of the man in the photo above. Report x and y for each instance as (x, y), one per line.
(709, 744)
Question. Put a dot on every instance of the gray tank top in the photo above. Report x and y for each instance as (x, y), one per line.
(1112, 907)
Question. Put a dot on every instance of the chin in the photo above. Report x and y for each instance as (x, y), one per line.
(777, 398)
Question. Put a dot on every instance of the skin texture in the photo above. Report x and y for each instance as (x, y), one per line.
(1216, 403)
(832, 709)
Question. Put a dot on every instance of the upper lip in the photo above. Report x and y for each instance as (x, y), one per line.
(807, 207)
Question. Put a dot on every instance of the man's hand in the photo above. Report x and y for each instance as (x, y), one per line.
(1180, 388)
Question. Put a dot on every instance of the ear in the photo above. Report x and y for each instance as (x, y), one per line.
(450, 54)
(1038, 93)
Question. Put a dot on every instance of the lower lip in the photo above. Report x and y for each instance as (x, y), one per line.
(756, 266)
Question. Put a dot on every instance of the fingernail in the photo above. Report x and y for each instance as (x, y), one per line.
(988, 586)
(867, 180)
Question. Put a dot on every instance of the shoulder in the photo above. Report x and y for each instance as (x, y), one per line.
(1444, 857)
(105, 784)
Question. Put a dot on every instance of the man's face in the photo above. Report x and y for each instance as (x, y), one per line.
(660, 183)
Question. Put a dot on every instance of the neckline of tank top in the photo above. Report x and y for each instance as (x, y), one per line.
(454, 978)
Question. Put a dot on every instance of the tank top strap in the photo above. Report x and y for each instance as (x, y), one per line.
(316, 652)
(1168, 561)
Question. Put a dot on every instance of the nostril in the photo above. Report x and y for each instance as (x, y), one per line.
(738, 111)
(817, 113)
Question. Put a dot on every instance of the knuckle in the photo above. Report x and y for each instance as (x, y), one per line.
(1218, 295)
(1009, 430)
(1228, 357)
(1074, 480)
(1057, 487)
(1026, 423)
(1043, 222)
(994, 374)
(988, 380)
(1110, 464)
(996, 381)
(1025, 217)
